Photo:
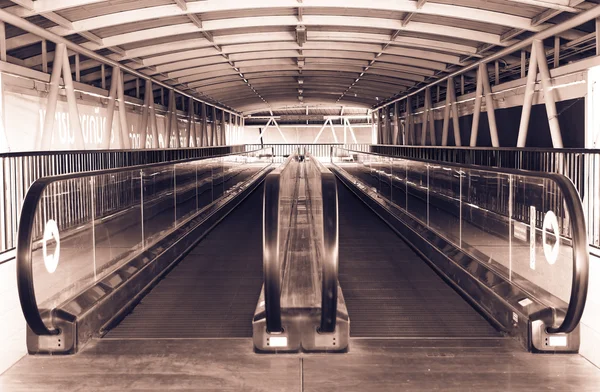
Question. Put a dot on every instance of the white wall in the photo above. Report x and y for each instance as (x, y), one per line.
(12, 326)
(23, 111)
(590, 323)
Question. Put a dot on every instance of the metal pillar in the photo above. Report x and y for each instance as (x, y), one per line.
(145, 115)
(214, 141)
(318, 134)
(77, 68)
(112, 96)
(548, 95)
(2, 41)
(396, 136)
(191, 125)
(455, 118)
(489, 106)
(44, 56)
(335, 139)
(153, 119)
(45, 139)
(61, 65)
(477, 109)
(432, 138)
(74, 121)
(124, 134)
(527, 100)
(446, 113)
(379, 127)
(204, 126)
(409, 120)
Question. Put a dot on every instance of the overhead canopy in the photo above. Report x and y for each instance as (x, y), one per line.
(268, 54)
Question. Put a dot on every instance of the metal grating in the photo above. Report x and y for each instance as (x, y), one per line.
(389, 290)
(213, 291)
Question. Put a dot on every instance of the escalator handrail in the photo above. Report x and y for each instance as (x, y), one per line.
(581, 264)
(271, 263)
(24, 262)
(330, 255)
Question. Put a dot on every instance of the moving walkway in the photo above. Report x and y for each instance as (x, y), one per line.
(184, 260)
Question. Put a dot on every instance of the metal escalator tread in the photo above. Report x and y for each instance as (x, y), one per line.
(389, 290)
(212, 292)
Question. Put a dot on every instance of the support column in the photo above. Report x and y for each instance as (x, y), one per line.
(455, 118)
(77, 68)
(112, 96)
(45, 56)
(213, 139)
(203, 126)
(409, 132)
(170, 115)
(379, 127)
(318, 134)
(44, 140)
(477, 109)
(424, 122)
(145, 115)
(74, 121)
(2, 41)
(489, 106)
(447, 113)
(153, 119)
(433, 139)
(124, 134)
(548, 95)
(396, 134)
(190, 125)
(527, 100)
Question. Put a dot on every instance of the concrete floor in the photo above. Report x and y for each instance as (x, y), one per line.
(496, 364)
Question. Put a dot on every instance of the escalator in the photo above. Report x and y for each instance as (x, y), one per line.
(390, 291)
(212, 292)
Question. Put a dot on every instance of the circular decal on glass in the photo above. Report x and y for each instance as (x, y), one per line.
(550, 251)
(51, 260)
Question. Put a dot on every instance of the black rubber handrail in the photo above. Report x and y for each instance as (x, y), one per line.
(25, 280)
(272, 265)
(330, 255)
(581, 262)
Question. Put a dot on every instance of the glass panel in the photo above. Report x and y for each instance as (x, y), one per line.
(61, 245)
(416, 178)
(204, 193)
(399, 183)
(185, 194)
(485, 226)
(384, 170)
(538, 258)
(159, 201)
(444, 202)
(117, 232)
(217, 178)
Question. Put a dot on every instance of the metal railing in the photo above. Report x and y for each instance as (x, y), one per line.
(321, 150)
(19, 170)
(581, 166)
